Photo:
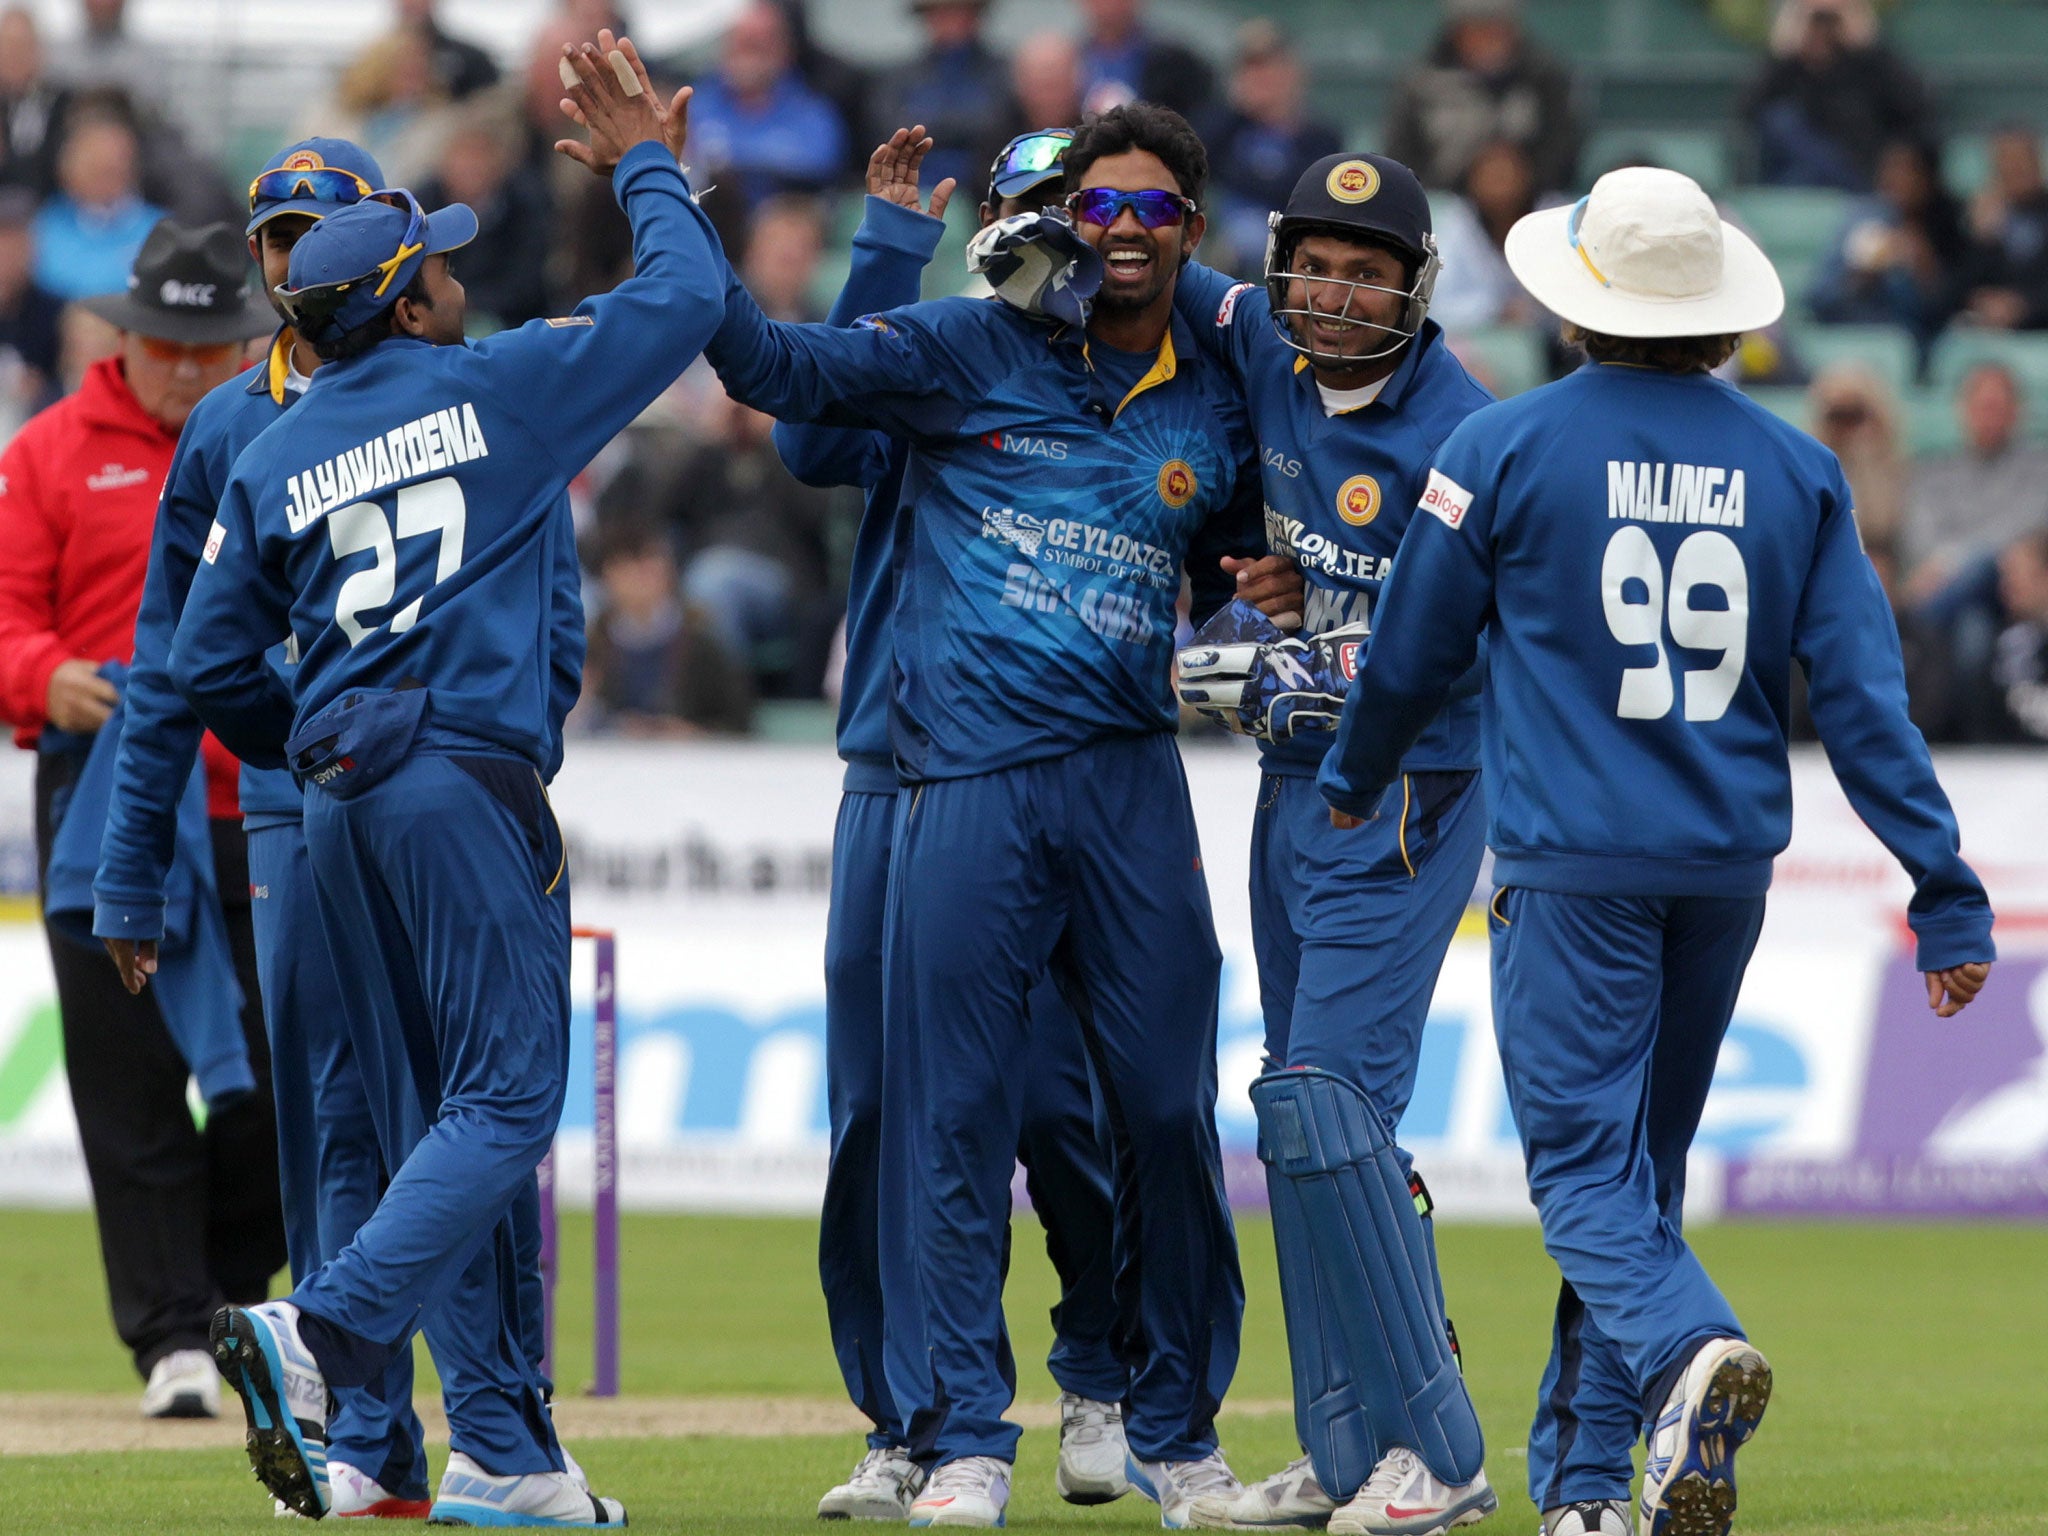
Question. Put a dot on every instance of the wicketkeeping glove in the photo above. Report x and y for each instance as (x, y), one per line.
(1254, 679)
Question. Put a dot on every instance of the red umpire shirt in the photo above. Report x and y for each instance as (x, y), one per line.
(78, 495)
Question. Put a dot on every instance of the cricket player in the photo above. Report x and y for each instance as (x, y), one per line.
(1063, 474)
(402, 525)
(1647, 554)
(1065, 1159)
(1352, 390)
(331, 1155)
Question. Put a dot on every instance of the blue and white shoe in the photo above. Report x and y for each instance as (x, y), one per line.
(1689, 1475)
(469, 1495)
(1177, 1486)
(284, 1398)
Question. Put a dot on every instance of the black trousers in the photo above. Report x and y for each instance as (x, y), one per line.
(188, 1219)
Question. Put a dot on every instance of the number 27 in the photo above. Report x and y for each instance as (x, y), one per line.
(431, 506)
(1705, 559)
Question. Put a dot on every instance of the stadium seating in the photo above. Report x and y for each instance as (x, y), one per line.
(1795, 226)
(1885, 350)
(1508, 357)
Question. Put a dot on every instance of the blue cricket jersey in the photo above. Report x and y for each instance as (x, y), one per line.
(1647, 554)
(161, 734)
(890, 252)
(1339, 490)
(1049, 519)
(405, 521)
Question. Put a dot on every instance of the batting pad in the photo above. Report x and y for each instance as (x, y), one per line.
(1356, 1227)
(1328, 1413)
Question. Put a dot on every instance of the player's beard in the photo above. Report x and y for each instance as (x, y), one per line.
(1166, 267)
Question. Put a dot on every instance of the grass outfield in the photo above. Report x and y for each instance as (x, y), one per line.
(1910, 1363)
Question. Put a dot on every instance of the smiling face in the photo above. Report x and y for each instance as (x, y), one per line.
(1140, 263)
(1319, 271)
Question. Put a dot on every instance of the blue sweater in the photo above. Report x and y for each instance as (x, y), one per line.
(405, 521)
(1648, 554)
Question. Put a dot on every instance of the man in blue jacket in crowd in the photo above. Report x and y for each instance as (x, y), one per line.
(402, 527)
(1647, 553)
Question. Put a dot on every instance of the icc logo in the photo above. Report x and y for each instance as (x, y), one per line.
(1177, 483)
(1355, 181)
(1358, 500)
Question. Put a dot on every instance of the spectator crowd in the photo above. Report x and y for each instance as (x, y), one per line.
(717, 581)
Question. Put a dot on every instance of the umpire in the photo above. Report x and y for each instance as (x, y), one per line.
(187, 1216)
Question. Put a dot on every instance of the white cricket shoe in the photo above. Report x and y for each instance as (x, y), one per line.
(1176, 1486)
(881, 1488)
(1404, 1498)
(469, 1495)
(259, 1353)
(1714, 1407)
(970, 1490)
(182, 1385)
(1290, 1500)
(1092, 1451)
(1588, 1517)
(354, 1494)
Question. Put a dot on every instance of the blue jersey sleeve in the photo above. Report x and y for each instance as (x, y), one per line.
(1228, 318)
(159, 733)
(913, 372)
(1426, 629)
(237, 608)
(578, 381)
(1848, 643)
(891, 249)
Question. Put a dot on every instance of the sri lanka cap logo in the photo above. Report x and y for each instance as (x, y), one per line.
(1177, 483)
(1358, 500)
(1354, 181)
(303, 160)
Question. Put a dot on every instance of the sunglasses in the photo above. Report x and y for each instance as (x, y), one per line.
(325, 184)
(207, 355)
(309, 309)
(1154, 210)
(1029, 159)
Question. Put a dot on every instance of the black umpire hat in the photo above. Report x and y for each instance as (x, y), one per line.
(188, 285)
(1366, 195)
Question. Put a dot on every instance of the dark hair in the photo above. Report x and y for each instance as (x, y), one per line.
(626, 538)
(1148, 126)
(339, 346)
(1666, 354)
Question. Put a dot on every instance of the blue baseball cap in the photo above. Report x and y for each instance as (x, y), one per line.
(358, 259)
(313, 177)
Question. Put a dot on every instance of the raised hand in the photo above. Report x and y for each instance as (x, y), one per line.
(611, 95)
(893, 167)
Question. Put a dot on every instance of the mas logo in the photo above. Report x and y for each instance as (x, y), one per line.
(1354, 181)
(1177, 483)
(1358, 500)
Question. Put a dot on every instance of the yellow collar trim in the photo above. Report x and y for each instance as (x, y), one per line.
(279, 365)
(1163, 368)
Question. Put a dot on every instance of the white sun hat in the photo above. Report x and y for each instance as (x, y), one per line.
(1645, 254)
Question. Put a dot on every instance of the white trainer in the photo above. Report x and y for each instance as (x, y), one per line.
(1290, 1500)
(1092, 1451)
(971, 1490)
(353, 1493)
(881, 1488)
(1176, 1486)
(1404, 1498)
(259, 1353)
(1588, 1517)
(469, 1495)
(1714, 1407)
(182, 1385)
